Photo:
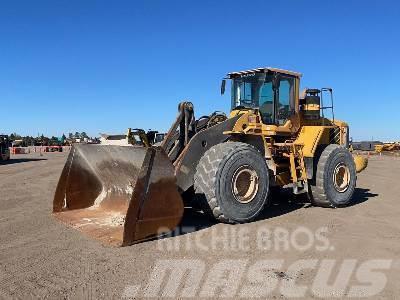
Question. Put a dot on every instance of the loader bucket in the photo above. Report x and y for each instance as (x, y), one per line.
(119, 195)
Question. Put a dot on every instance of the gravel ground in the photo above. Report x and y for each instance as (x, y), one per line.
(42, 258)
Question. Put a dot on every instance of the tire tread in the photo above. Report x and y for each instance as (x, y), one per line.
(318, 194)
(205, 177)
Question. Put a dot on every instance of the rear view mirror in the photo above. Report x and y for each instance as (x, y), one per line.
(223, 83)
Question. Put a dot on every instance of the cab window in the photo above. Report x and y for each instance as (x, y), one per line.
(273, 94)
(267, 103)
(285, 105)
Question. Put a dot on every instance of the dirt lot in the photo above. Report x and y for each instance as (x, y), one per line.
(39, 257)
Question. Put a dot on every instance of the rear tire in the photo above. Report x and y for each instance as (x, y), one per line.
(232, 179)
(335, 178)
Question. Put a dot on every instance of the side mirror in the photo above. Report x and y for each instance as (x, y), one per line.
(223, 83)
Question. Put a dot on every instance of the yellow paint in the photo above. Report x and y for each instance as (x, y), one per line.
(309, 138)
(387, 147)
(293, 171)
(297, 138)
(283, 178)
(361, 162)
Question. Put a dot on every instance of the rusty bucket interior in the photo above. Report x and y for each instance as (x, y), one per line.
(119, 195)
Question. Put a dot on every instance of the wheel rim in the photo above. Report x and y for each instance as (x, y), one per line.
(341, 178)
(245, 184)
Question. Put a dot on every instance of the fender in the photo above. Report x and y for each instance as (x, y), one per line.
(186, 163)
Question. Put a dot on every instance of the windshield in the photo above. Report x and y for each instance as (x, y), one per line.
(256, 91)
(251, 90)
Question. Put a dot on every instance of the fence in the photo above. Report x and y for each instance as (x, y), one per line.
(38, 149)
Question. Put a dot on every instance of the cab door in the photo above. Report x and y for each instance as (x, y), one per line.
(284, 96)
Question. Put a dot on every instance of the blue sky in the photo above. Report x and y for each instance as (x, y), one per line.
(103, 66)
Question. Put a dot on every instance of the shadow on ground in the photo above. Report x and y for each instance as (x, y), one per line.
(283, 203)
(362, 195)
(20, 160)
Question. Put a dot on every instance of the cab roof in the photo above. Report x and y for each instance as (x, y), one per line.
(263, 70)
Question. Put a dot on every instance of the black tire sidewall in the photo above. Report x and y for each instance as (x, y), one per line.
(339, 155)
(231, 208)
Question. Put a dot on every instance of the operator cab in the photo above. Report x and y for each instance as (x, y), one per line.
(272, 91)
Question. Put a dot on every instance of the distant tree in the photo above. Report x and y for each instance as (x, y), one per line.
(77, 135)
(83, 135)
(53, 141)
(14, 136)
(28, 141)
(45, 141)
(38, 141)
(63, 139)
(70, 135)
(42, 140)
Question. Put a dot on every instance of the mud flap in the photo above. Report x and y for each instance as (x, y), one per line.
(119, 195)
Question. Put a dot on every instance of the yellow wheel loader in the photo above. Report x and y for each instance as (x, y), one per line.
(387, 147)
(273, 137)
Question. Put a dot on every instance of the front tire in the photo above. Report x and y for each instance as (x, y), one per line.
(335, 178)
(233, 180)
